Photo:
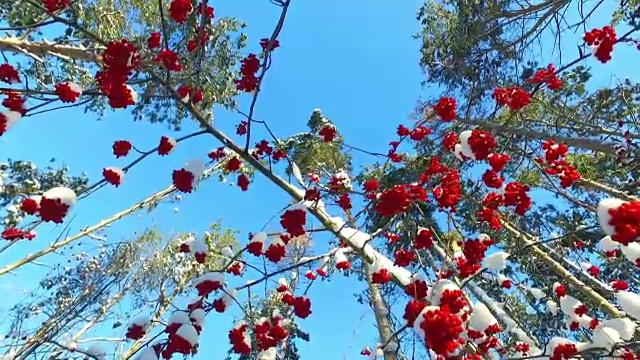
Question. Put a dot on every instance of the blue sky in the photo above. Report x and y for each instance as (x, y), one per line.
(356, 62)
(359, 64)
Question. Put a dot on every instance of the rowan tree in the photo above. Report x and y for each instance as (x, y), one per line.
(89, 290)
(503, 221)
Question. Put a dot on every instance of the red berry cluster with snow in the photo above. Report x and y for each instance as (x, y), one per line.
(53, 205)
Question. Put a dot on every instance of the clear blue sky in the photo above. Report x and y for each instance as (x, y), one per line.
(355, 60)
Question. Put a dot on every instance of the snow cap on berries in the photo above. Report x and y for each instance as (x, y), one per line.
(56, 203)
(8, 118)
(113, 175)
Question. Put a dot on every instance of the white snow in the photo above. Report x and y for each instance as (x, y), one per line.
(631, 252)
(179, 317)
(481, 318)
(75, 87)
(360, 240)
(188, 240)
(607, 244)
(555, 342)
(603, 213)
(624, 326)
(340, 257)
(584, 321)
(189, 333)
(483, 237)
(464, 142)
(585, 265)
(260, 237)
(226, 251)
(277, 314)
(434, 293)
(298, 205)
(240, 324)
(606, 337)
(378, 265)
(142, 320)
(12, 118)
(198, 246)
(64, 194)
(497, 310)
(196, 167)
(586, 274)
(568, 304)
(269, 354)
(295, 170)
(117, 171)
(457, 151)
(536, 293)
(211, 276)
(629, 303)
(420, 319)
(229, 297)
(345, 181)
(356, 238)
(198, 316)
(134, 94)
(552, 307)
(496, 261)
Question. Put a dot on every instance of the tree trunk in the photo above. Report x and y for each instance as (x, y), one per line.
(385, 330)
